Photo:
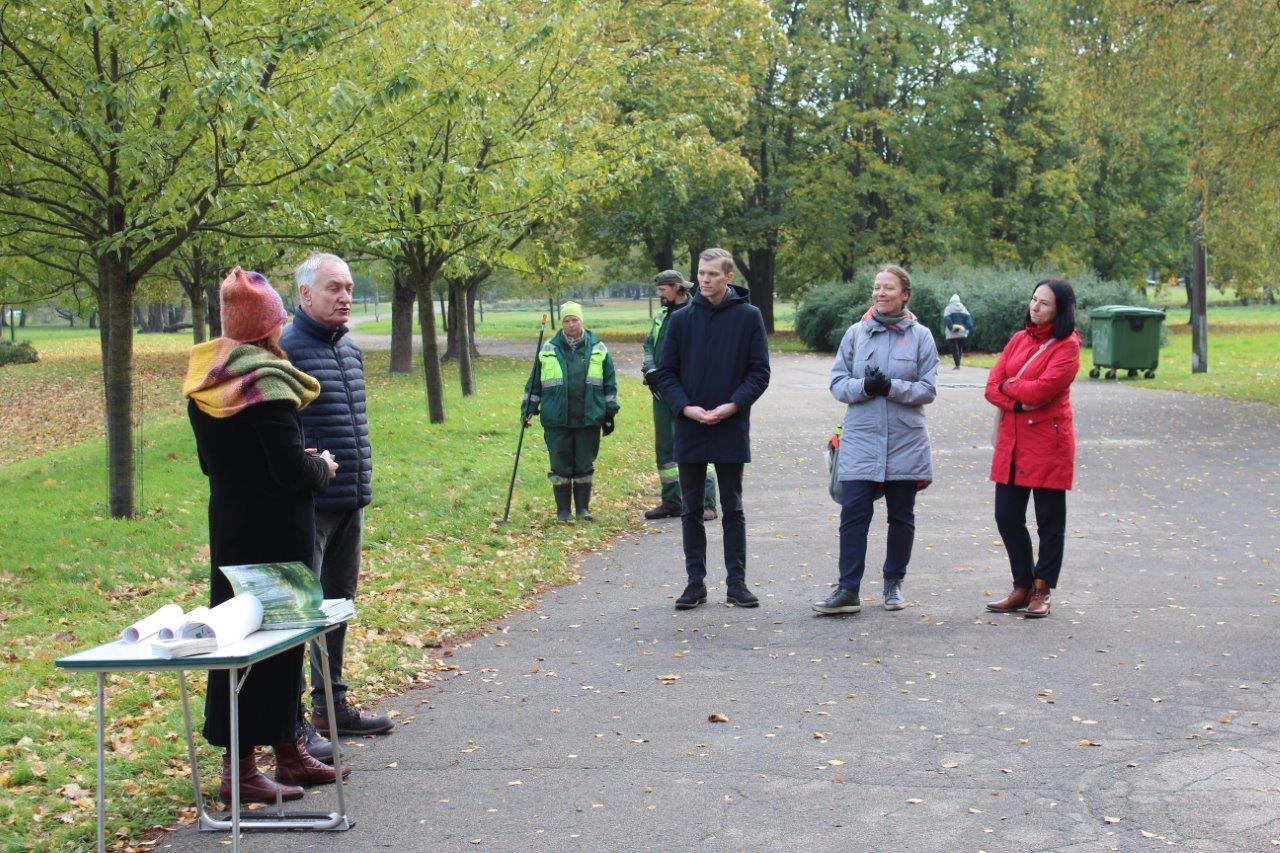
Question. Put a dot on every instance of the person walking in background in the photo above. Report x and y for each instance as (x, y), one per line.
(714, 366)
(575, 389)
(958, 324)
(673, 295)
(243, 402)
(885, 372)
(317, 342)
(1035, 442)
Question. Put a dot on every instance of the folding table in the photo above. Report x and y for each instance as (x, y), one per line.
(237, 659)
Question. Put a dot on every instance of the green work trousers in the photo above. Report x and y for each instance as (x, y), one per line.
(573, 453)
(664, 443)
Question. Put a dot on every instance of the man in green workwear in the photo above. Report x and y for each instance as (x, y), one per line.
(574, 387)
(673, 293)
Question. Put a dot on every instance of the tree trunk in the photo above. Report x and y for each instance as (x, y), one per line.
(213, 309)
(444, 315)
(199, 331)
(117, 345)
(473, 294)
(458, 299)
(451, 326)
(759, 271)
(430, 355)
(694, 251)
(401, 323)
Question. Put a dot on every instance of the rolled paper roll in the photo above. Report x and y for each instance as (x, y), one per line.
(169, 616)
(169, 632)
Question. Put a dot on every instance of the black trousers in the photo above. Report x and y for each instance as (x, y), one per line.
(956, 345)
(337, 553)
(1051, 524)
(693, 478)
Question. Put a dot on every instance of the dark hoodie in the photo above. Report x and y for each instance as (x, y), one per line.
(711, 355)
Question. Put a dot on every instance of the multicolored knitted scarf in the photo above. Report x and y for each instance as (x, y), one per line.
(225, 377)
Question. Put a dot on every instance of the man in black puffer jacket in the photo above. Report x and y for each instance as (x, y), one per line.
(316, 342)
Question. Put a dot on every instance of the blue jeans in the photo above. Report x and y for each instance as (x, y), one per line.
(856, 505)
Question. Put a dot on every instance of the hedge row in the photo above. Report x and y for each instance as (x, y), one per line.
(997, 299)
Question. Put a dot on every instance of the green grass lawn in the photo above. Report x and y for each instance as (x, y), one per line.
(435, 566)
(1244, 349)
(611, 319)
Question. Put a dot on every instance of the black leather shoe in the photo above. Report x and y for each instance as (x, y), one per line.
(739, 596)
(694, 594)
(318, 746)
(841, 601)
(663, 511)
(352, 721)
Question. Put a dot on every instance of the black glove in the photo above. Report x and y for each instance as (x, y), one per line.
(526, 419)
(876, 384)
(607, 426)
(648, 378)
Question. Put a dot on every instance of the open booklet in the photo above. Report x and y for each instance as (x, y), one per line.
(206, 629)
(290, 593)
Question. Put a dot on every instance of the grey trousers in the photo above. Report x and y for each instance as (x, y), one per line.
(337, 563)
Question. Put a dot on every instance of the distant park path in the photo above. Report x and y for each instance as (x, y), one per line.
(1145, 709)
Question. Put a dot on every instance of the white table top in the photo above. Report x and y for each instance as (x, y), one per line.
(119, 655)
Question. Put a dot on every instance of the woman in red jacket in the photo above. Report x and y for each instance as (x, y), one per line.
(1035, 446)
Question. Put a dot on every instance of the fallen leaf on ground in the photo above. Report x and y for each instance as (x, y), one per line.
(717, 718)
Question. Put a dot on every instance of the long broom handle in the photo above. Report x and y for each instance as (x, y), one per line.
(506, 513)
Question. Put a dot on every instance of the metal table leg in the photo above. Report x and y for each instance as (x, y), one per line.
(234, 692)
(336, 821)
(321, 645)
(102, 776)
(191, 744)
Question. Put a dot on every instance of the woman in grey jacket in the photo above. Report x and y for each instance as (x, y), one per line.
(885, 372)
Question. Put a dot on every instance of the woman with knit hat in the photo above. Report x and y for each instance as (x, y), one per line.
(243, 401)
(574, 387)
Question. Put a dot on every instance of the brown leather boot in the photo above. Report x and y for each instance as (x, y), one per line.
(1038, 608)
(296, 766)
(254, 787)
(1013, 602)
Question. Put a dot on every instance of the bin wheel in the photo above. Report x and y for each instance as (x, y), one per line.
(1150, 374)
(1111, 374)
(1132, 373)
(1095, 373)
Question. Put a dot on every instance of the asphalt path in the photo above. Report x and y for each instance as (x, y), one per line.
(1142, 713)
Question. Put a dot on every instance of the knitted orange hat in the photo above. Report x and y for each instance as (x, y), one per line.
(251, 308)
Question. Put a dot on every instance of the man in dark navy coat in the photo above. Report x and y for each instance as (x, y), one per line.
(317, 343)
(715, 365)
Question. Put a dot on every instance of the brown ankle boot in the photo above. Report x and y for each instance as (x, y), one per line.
(1038, 608)
(296, 766)
(1013, 602)
(254, 787)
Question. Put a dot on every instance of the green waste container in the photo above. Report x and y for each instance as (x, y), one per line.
(1125, 337)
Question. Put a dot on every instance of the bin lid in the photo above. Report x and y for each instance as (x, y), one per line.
(1103, 312)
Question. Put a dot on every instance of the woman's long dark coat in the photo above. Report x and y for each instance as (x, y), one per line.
(260, 511)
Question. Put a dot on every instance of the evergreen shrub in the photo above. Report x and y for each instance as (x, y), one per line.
(20, 353)
(997, 299)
